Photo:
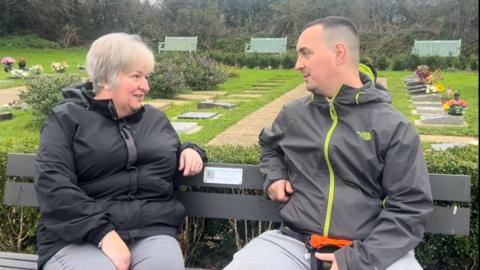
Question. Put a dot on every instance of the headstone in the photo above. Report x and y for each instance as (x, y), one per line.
(426, 97)
(412, 83)
(441, 119)
(429, 110)
(416, 87)
(6, 116)
(198, 115)
(208, 104)
(185, 127)
(418, 91)
(247, 96)
(428, 104)
(445, 146)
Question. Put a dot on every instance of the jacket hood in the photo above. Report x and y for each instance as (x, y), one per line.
(83, 96)
(370, 92)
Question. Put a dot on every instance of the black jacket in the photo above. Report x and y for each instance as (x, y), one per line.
(98, 173)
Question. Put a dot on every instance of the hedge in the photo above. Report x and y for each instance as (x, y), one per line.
(211, 243)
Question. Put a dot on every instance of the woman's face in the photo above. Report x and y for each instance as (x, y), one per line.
(130, 92)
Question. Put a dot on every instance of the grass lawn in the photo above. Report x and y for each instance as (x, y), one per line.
(21, 128)
(465, 82)
(44, 57)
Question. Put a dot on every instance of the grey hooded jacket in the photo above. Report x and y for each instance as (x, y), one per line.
(357, 170)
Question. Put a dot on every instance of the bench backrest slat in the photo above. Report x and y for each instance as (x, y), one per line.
(449, 220)
(266, 45)
(188, 44)
(444, 188)
(443, 220)
(18, 256)
(17, 264)
(229, 206)
(22, 165)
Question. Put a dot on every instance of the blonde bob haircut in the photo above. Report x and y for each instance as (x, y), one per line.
(116, 53)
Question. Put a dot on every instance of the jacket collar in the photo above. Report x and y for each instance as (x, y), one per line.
(370, 92)
(83, 95)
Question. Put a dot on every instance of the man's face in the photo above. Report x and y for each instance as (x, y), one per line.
(316, 61)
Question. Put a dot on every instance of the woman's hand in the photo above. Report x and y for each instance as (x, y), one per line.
(190, 162)
(116, 250)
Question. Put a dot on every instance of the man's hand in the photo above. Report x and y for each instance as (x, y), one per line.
(116, 250)
(328, 257)
(280, 190)
(190, 162)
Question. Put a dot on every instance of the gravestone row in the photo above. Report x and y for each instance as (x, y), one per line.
(429, 106)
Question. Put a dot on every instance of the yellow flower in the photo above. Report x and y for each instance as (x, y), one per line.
(446, 107)
(440, 87)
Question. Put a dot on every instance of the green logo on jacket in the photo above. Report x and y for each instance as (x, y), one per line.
(365, 135)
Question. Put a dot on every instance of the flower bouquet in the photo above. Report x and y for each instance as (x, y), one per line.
(59, 67)
(7, 63)
(455, 107)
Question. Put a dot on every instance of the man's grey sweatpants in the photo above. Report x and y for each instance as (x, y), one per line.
(273, 250)
(160, 252)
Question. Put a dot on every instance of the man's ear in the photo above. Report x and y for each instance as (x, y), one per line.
(340, 53)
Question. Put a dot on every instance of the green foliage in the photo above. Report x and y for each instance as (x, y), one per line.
(453, 252)
(167, 78)
(474, 62)
(19, 225)
(27, 41)
(44, 92)
(202, 73)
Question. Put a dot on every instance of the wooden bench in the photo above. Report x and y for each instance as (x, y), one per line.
(186, 44)
(266, 45)
(201, 201)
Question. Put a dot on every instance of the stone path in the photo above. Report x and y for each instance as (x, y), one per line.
(9, 94)
(246, 131)
(449, 139)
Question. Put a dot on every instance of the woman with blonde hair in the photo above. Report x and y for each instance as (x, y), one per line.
(106, 169)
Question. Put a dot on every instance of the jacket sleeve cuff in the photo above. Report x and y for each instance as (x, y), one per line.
(272, 177)
(341, 258)
(96, 235)
(200, 151)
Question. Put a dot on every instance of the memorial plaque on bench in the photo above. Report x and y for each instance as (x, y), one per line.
(208, 104)
(198, 115)
(185, 127)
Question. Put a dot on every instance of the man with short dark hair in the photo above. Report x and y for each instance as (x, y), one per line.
(346, 164)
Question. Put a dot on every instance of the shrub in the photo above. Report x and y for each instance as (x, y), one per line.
(202, 73)
(381, 63)
(44, 92)
(167, 78)
(474, 62)
(397, 63)
(288, 60)
(27, 41)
